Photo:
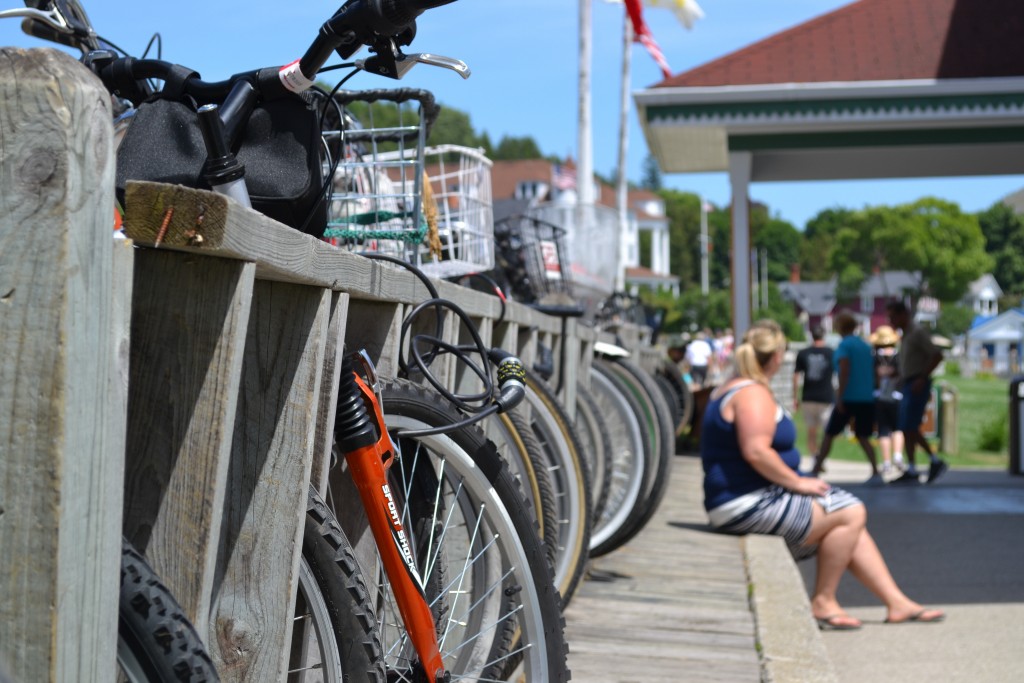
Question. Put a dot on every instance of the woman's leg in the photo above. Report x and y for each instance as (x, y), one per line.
(836, 535)
(844, 543)
(868, 566)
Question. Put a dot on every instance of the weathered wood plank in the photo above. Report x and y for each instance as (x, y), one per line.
(60, 425)
(190, 317)
(333, 354)
(264, 505)
(671, 605)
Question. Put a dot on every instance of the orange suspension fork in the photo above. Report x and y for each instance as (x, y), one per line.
(361, 434)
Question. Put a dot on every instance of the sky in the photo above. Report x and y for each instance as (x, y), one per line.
(523, 57)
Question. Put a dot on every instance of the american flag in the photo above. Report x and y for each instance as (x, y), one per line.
(644, 36)
(563, 177)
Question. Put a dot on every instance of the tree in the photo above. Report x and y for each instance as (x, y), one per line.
(818, 240)
(930, 236)
(651, 174)
(1004, 242)
(453, 127)
(683, 212)
(510, 148)
(781, 242)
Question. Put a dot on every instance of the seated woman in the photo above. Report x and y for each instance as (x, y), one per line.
(752, 485)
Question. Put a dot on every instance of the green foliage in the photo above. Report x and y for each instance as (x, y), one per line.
(995, 433)
(651, 174)
(510, 148)
(781, 240)
(818, 240)
(955, 320)
(1004, 242)
(953, 368)
(930, 236)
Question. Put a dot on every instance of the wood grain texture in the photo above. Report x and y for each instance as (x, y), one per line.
(268, 479)
(190, 318)
(333, 354)
(60, 417)
(669, 606)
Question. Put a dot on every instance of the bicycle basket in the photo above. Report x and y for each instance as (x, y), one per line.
(460, 186)
(531, 257)
(378, 183)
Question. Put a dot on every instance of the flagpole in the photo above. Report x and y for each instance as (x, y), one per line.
(622, 187)
(584, 161)
(704, 251)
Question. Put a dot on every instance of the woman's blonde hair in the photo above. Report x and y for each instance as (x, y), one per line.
(761, 342)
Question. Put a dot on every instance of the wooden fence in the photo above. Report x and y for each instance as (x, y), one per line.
(177, 388)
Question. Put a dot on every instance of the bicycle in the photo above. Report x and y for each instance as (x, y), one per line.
(132, 79)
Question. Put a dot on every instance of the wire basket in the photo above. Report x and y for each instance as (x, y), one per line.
(377, 187)
(386, 198)
(532, 259)
(460, 187)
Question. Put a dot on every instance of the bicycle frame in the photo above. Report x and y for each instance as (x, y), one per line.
(369, 466)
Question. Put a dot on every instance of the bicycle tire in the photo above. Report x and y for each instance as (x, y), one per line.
(518, 446)
(334, 611)
(655, 414)
(596, 447)
(670, 372)
(465, 513)
(631, 457)
(668, 392)
(156, 642)
(570, 475)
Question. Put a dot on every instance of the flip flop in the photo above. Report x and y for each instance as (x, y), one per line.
(831, 623)
(924, 616)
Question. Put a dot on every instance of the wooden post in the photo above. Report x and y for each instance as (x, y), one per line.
(61, 402)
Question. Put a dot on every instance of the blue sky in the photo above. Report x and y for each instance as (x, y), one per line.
(523, 57)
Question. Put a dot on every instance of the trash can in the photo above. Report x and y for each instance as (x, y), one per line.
(1016, 423)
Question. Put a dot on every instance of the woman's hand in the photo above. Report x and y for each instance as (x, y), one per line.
(811, 486)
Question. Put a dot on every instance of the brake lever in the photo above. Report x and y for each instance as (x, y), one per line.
(400, 64)
(53, 19)
(456, 65)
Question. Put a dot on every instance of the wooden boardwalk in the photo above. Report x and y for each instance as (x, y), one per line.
(671, 605)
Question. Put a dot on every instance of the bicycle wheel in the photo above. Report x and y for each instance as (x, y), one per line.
(631, 467)
(570, 475)
(156, 643)
(334, 635)
(519, 448)
(597, 449)
(482, 564)
(657, 419)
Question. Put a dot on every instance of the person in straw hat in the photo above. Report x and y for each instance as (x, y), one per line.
(887, 399)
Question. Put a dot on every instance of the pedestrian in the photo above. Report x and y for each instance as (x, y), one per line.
(814, 368)
(752, 484)
(699, 356)
(887, 399)
(855, 397)
(918, 359)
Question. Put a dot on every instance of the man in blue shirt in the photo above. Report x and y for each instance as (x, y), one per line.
(855, 400)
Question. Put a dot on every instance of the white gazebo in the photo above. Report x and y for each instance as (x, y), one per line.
(875, 89)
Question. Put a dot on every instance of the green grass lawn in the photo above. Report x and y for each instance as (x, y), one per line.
(982, 421)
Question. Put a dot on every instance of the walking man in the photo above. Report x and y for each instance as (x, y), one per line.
(855, 397)
(918, 359)
(814, 367)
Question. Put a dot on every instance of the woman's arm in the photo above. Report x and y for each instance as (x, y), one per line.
(754, 418)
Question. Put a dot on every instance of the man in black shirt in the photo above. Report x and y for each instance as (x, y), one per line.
(814, 365)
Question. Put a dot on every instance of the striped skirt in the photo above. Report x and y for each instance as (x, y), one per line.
(776, 511)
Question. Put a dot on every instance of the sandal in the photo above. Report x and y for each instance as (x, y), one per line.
(834, 623)
(923, 616)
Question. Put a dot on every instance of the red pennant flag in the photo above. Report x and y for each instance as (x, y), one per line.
(644, 36)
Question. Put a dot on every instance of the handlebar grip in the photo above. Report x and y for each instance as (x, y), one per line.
(38, 29)
(401, 12)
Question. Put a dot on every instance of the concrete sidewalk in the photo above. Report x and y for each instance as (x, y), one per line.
(957, 544)
(682, 603)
